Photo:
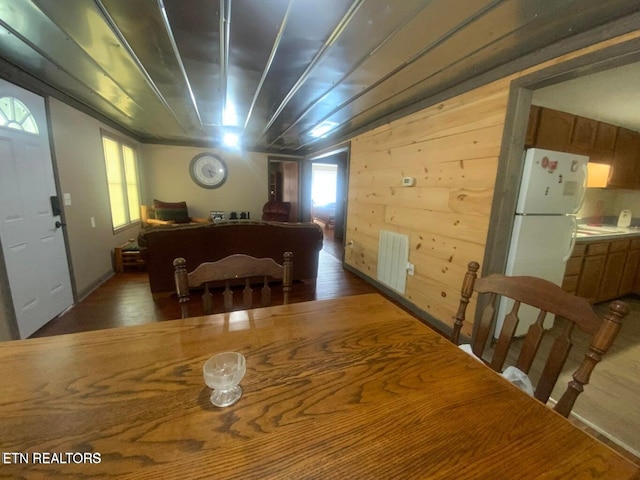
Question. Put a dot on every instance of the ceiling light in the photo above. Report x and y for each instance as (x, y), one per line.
(322, 129)
(231, 139)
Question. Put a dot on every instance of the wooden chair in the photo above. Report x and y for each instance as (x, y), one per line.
(545, 297)
(228, 270)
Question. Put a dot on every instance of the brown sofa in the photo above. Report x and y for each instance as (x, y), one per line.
(160, 245)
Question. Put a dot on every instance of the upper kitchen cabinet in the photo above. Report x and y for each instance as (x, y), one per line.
(605, 143)
(625, 164)
(601, 142)
(555, 129)
(583, 137)
(565, 132)
(532, 126)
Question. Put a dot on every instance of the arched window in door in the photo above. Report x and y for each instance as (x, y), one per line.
(15, 114)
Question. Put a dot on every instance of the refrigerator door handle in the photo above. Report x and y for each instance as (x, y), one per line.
(574, 236)
(583, 190)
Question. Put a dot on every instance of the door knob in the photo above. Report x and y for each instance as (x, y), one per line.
(60, 224)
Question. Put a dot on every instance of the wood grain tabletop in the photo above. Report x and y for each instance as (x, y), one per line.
(344, 388)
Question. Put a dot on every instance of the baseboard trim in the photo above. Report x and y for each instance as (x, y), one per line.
(94, 286)
(423, 316)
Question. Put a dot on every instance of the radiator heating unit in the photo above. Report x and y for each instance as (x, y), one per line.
(393, 257)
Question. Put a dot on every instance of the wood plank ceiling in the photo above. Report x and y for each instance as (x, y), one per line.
(276, 72)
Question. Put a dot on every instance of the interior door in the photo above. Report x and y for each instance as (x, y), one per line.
(284, 185)
(32, 244)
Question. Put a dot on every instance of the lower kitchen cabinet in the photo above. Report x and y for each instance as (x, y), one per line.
(613, 270)
(590, 275)
(604, 270)
(629, 273)
(573, 268)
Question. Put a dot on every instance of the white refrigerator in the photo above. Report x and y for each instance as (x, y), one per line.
(544, 230)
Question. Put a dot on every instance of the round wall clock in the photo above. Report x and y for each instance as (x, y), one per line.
(208, 170)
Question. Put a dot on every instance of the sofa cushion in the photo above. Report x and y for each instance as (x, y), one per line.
(176, 211)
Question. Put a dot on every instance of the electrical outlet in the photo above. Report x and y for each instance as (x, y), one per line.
(93, 222)
(411, 269)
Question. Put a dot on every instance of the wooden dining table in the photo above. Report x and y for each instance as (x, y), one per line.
(352, 387)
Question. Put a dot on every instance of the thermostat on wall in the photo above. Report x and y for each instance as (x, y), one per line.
(408, 181)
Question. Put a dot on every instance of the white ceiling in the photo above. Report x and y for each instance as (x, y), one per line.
(612, 96)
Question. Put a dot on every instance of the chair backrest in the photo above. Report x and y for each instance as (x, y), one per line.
(228, 271)
(545, 297)
(276, 211)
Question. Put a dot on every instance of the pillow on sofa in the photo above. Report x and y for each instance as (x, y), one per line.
(176, 212)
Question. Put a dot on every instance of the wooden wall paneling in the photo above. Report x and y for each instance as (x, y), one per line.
(481, 143)
(415, 123)
(469, 173)
(477, 114)
(362, 254)
(454, 225)
(436, 300)
(458, 200)
(453, 155)
(366, 177)
(476, 201)
(444, 248)
(444, 272)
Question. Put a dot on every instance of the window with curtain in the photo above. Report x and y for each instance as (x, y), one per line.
(122, 179)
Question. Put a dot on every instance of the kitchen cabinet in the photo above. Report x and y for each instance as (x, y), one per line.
(554, 130)
(565, 132)
(605, 143)
(592, 270)
(629, 273)
(532, 126)
(604, 270)
(573, 268)
(584, 134)
(613, 270)
(625, 164)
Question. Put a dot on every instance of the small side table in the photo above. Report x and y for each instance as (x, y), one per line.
(127, 256)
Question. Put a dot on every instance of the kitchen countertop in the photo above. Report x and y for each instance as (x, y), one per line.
(592, 233)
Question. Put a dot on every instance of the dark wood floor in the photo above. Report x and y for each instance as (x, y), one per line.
(125, 298)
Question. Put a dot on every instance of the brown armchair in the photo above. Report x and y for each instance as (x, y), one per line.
(276, 211)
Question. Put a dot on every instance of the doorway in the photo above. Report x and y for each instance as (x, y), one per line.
(602, 414)
(329, 191)
(516, 131)
(33, 246)
(284, 184)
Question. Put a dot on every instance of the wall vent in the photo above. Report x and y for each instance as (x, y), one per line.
(393, 256)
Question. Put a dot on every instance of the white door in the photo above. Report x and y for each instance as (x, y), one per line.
(33, 248)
